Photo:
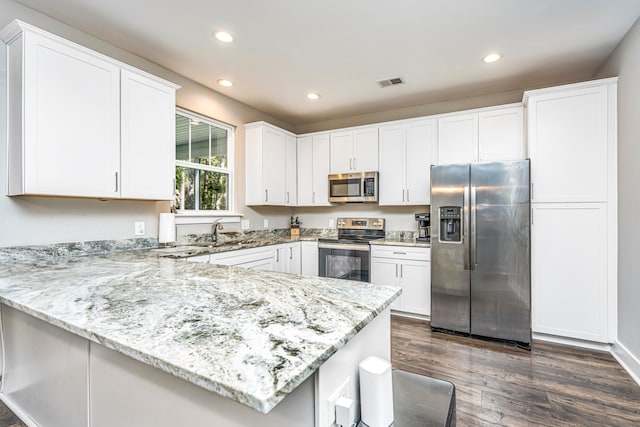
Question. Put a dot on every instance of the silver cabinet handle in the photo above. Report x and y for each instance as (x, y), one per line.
(313, 197)
(290, 252)
(399, 253)
(354, 163)
(396, 270)
(401, 271)
(116, 182)
(403, 195)
(474, 231)
(465, 227)
(407, 194)
(531, 216)
(277, 255)
(287, 197)
(266, 195)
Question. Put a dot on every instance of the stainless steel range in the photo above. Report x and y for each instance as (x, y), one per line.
(347, 256)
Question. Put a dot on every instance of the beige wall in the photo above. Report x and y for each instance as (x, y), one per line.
(37, 220)
(625, 63)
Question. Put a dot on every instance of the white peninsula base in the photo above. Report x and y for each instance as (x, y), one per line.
(51, 377)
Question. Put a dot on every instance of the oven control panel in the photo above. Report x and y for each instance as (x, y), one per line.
(361, 223)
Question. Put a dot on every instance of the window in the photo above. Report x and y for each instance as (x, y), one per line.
(204, 159)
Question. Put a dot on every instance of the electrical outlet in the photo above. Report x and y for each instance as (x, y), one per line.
(266, 223)
(341, 390)
(331, 223)
(138, 228)
(245, 224)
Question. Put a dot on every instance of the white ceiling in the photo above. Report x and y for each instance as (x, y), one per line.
(339, 48)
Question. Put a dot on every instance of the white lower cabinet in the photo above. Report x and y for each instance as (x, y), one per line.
(408, 268)
(250, 258)
(309, 258)
(569, 283)
(287, 258)
(284, 258)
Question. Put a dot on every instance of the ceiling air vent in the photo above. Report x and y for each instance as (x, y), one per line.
(390, 82)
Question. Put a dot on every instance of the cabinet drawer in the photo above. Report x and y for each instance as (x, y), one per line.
(401, 252)
(242, 256)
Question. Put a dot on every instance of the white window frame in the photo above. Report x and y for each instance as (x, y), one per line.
(194, 216)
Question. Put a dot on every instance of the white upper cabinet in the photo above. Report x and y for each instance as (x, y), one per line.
(313, 170)
(147, 138)
(569, 132)
(487, 135)
(65, 109)
(501, 134)
(406, 153)
(458, 139)
(354, 150)
(266, 164)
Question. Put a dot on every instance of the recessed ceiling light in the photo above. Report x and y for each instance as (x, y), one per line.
(223, 36)
(492, 57)
(225, 83)
(313, 96)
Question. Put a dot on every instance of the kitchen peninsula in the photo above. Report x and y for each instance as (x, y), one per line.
(131, 338)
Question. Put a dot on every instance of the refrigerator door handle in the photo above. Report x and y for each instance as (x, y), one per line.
(465, 227)
(474, 235)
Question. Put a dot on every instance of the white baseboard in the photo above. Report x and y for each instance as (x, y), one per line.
(591, 345)
(18, 411)
(627, 360)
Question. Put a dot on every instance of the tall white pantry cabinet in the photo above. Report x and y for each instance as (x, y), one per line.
(81, 124)
(572, 140)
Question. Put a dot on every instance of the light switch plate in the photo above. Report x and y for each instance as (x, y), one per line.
(331, 223)
(266, 223)
(138, 227)
(245, 225)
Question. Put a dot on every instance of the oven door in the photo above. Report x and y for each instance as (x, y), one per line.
(344, 261)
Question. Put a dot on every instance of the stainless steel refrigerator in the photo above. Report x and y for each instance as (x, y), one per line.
(480, 250)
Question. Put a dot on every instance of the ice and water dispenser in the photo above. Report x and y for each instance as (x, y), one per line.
(450, 223)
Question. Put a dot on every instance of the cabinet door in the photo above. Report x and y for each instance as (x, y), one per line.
(309, 258)
(420, 154)
(569, 270)
(291, 171)
(501, 135)
(71, 120)
(305, 171)
(385, 271)
(274, 167)
(415, 280)
(365, 147)
(147, 138)
(341, 152)
(458, 139)
(568, 146)
(280, 254)
(293, 255)
(321, 170)
(392, 165)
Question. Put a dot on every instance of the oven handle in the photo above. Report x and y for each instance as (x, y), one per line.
(344, 246)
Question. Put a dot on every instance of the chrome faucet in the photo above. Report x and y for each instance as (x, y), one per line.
(214, 229)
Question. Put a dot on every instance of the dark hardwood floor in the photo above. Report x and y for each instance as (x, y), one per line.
(8, 418)
(499, 385)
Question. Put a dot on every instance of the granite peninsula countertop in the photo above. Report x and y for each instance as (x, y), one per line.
(252, 336)
(189, 249)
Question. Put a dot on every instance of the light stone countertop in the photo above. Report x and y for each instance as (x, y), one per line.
(251, 336)
(401, 242)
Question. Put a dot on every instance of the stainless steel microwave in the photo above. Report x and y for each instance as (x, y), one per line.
(359, 187)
